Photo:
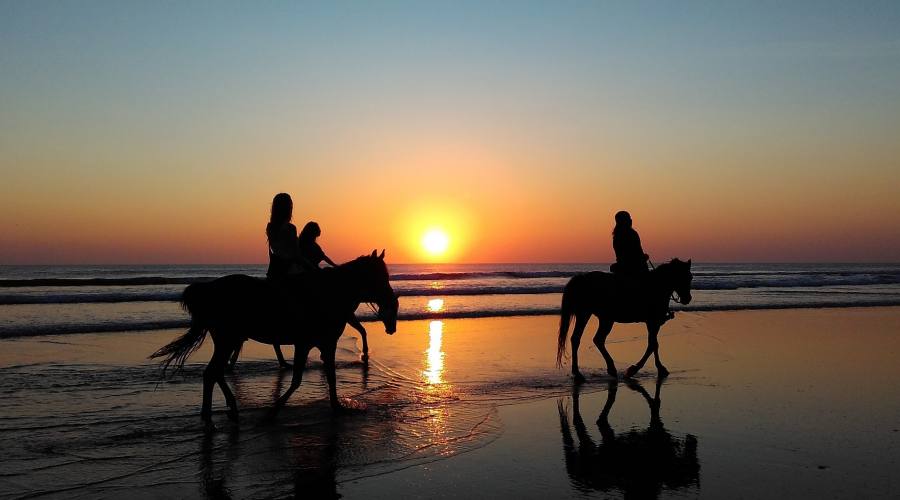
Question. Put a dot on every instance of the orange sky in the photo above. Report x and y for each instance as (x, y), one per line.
(769, 139)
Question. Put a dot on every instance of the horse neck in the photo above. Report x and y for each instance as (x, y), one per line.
(663, 279)
(348, 280)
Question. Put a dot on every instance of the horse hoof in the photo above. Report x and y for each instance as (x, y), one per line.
(286, 366)
(206, 416)
(579, 378)
(232, 415)
(613, 373)
(662, 372)
(632, 371)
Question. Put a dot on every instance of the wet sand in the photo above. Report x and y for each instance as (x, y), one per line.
(788, 403)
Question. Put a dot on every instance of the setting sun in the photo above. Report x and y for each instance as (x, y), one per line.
(435, 242)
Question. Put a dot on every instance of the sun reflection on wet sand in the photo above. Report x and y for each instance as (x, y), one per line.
(436, 305)
(434, 356)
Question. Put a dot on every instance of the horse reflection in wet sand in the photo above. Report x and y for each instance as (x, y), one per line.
(637, 463)
(310, 311)
(618, 299)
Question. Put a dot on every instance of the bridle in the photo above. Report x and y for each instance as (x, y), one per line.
(674, 297)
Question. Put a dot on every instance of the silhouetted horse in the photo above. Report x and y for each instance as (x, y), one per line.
(638, 463)
(613, 299)
(311, 311)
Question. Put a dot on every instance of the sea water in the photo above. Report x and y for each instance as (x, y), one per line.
(53, 300)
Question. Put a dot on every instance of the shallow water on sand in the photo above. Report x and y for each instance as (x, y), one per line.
(774, 403)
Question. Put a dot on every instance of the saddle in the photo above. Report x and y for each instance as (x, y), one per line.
(634, 295)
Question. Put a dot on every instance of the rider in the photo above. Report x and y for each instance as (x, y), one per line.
(309, 248)
(312, 254)
(631, 261)
(630, 257)
(284, 255)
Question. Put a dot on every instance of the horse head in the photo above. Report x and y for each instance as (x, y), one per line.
(377, 289)
(681, 278)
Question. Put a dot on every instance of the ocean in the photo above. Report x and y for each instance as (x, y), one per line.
(756, 403)
(55, 300)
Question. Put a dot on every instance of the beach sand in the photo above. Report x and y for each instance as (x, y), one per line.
(786, 403)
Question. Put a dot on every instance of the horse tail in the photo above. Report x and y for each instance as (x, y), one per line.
(193, 300)
(566, 311)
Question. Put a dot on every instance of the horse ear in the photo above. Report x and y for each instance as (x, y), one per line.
(382, 254)
(689, 262)
(374, 253)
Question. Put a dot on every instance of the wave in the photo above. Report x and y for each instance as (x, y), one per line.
(185, 280)
(92, 298)
(173, 296)
(136, 326)
(76, 282)
(792, 281)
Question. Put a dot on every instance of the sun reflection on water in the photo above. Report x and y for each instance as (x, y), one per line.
(436, 305)
(434, 356)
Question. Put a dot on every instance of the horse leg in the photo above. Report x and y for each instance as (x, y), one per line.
(215, 370)
(328, 354)
(234, 357)
(229, 397)
(661, 371)
(278, 354)
(652, 345)
(600, 341)
(580, 322)
(300, 355)
(362, 333)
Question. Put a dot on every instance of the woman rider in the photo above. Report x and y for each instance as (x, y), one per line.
(284, 255)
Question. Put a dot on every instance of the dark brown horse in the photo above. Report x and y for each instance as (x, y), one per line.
(621, 299)
(309, 311)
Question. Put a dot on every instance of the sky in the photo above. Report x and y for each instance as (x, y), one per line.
(158, 132)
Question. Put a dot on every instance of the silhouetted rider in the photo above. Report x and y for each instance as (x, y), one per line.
(284, 254)
(309, 248)
(630, 256)
(312, 254)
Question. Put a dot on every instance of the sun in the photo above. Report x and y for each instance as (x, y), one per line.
(435, 242)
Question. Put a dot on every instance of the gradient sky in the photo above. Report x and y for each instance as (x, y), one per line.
(158, 132)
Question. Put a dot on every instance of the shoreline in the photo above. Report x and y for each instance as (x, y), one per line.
(164, 325)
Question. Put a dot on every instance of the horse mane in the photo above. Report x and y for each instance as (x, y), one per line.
(356, 263)
(674, 263)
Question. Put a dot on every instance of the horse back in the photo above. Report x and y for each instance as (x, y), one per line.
(624, 299)
(261, 309)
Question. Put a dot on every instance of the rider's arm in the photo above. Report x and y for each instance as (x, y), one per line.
(329, 261)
